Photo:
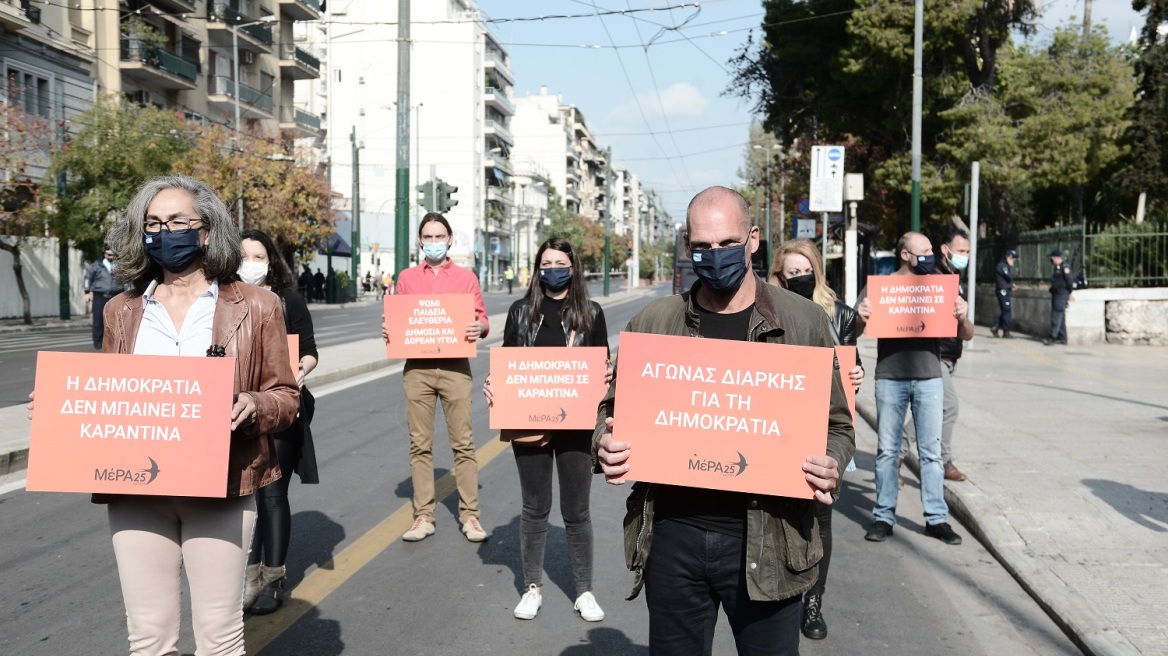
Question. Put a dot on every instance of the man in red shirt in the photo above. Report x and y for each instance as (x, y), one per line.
(428, 379)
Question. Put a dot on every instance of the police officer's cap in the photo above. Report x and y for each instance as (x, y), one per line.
(1056, 253)
(1011, 253)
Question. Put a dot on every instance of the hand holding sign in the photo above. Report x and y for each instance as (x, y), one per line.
(613, 456)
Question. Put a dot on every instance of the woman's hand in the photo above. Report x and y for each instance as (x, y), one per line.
(488, 393)
(243, 413)
(857, 376)
(864, 309)
(609, 373)
(307, 364)
(384, 330)
(31, 403)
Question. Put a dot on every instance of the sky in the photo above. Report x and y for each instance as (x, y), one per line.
(659, 98)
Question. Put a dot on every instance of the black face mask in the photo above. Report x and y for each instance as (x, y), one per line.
(174, 251)
(924, 264)
(802, 285)
(555, 280)
(721, 270)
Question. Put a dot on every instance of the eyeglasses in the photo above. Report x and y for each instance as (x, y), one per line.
(174, 226)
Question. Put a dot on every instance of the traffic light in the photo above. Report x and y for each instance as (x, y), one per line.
(426, 198)
(629, 250)
(444, 201)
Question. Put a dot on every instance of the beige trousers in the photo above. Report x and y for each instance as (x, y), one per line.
(154, 539)
(425, 382)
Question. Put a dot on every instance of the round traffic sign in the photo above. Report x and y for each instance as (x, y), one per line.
(804, 207)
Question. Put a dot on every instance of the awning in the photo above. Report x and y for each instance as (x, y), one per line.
(340, 247)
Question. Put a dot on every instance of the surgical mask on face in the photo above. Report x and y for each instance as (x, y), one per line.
(174, 251)
(253, 272)
(959, 262)
(721, 270)
(802, 285)
(435, 252)
(924, 264)
(556, 279)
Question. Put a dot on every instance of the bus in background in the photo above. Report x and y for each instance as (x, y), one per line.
(683, 273)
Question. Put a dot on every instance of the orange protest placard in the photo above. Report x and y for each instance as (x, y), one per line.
(722, 414)
(294, 354)
(429, 326)
(131, 424)
(548, 388)
(847, 359)
(912, 306)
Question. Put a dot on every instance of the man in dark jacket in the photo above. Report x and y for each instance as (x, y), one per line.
(1004, 289)
(100, 287)
(1061, 287)
(767, 547)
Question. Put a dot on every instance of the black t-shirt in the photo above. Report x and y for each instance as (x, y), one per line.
(551, 330)
(712, 510)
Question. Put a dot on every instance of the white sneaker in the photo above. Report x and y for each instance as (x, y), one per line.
(588, 608)
(473, 530)
(421, 529)
(529, 604)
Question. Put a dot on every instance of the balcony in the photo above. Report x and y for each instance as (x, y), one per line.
(500, 131)
(252, 103)
(301, 10)
(16, 15)
(498, 162)
(297, 63)
(174, 6)
(496, 98)
(495, 62)
(500, 195)
(157, 67)
(305, 125)
(253, 38)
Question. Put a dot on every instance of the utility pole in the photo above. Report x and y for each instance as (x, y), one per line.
(62, 241)
(355, 246)
(1086, 18)
(607, 215)
(402, 211)
(918, 91)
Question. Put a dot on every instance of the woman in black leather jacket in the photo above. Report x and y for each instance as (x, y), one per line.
(799, 268)
(555, 311)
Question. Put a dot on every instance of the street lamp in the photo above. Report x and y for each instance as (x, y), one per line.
(270, 18)
(769, 221)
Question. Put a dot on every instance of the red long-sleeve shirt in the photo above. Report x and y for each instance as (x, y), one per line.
(446, 278)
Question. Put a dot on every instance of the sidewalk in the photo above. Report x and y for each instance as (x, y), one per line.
(1064, 448)
(337, 363)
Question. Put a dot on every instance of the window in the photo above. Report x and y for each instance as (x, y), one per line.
(29, 90)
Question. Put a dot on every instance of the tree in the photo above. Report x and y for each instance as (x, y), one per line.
(287, 201)
(118, 147)
(584, 235)
(1146, 169)
(26, 143)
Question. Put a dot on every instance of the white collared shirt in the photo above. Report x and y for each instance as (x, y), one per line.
(157, 334)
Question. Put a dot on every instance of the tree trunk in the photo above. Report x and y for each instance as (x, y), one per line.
(18, 271)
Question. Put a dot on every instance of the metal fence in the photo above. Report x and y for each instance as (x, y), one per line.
(1123, 255)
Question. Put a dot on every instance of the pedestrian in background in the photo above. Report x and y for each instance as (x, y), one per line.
(798, 267)
(100, 287)
(179, 250)
(426, 380)
(1062, 286)
(908, 374)
(1004, 289)
(266, 571)
(954, 260)
(696, 550)
(555, 311)
(509, 274)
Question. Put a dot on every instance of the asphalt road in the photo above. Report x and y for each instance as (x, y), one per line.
(363, 591)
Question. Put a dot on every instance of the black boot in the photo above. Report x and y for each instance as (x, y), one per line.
(814, 628)
(272, 595)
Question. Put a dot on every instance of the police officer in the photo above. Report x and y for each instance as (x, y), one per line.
(100, 287)
(1004, 288)
(1061, 286)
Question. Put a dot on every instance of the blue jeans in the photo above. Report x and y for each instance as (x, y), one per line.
(690, 572)
(893, 398)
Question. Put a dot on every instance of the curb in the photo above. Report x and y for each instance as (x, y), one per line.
(47, 327)
(985, 522)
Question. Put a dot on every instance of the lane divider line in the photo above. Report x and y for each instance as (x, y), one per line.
(262, 630)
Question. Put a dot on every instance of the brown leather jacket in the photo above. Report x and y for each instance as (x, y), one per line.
(250, 326)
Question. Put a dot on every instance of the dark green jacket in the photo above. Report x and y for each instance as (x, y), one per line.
(782, 535)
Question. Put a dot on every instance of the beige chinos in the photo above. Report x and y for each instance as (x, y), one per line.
(425, 382)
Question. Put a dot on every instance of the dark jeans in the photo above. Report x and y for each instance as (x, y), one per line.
(99, 301)
(1006, 305)
(823, 514)
(690, 572)
(1058, 316)
(572, 453)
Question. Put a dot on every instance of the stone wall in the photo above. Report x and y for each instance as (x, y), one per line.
(1119, 316)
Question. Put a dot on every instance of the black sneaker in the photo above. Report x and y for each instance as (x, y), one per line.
(994, 331)
(1047, 342)
(814, 628)
(1007, 335)
(878, 531)
(943, 532)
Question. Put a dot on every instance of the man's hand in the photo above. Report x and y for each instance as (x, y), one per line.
(822, 473)
(474, 330)
(609, 372)
(960, 309)
(243, 413)
(864, 309)
(31, 403)
(857, 376)
(613, 456)
(384, 330)
(488, 393)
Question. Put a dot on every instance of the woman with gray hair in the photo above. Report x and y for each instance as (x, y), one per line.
(179, 252)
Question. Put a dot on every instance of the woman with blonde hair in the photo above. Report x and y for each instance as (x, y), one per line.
(798, 267)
